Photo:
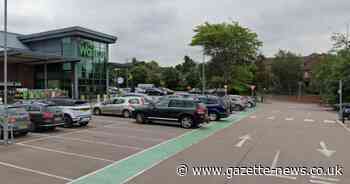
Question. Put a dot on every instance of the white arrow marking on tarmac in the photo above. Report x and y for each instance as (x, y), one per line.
(309, 120)
(243, 139)
(271, 118)
(289, 119)
(326, 152)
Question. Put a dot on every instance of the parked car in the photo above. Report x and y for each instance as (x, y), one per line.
(216, 107)
(147, 98)
(155, 92)
(18, 118)
(119, 106)
(184, 112)
(75, 112)
(236, 102)
(44, 116)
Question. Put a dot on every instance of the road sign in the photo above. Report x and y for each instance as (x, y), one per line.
(120, 80)
(252, 87)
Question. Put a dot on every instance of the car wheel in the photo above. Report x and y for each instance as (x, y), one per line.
(126, 114)
(187, 122)
(213, 117)
(97, 111)
(68, 123)
(140, 118)
(23, 133)
(250, 105)
(84, 124)
(34, 127)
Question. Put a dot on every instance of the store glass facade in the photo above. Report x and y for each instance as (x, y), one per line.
(90, 71)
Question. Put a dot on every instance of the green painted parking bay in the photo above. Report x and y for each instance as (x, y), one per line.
(123, 170)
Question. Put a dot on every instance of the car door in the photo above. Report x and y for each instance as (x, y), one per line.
(158, 111)
(117, 105)
(106, 107)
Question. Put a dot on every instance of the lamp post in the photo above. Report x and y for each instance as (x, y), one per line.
(203, 74)
(5, 74)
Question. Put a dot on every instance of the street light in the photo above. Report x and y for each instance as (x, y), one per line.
(5, 74)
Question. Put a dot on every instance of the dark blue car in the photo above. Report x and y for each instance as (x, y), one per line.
(216, 107)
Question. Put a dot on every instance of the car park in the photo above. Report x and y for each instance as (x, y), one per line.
(75, 112)
(119, 106)
(44, 116)
(18, 119)
(216, 107)
(184, 112)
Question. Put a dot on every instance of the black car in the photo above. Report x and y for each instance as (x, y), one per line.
(216, 107)
(185, 112)
(44, 116)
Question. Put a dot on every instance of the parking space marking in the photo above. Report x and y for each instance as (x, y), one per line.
(138, 130)
(101, 143)
(124, 135)
(285, 177)
(342, 124)
(65, 153)
(252, 117)
(47, 136)
(325, 178)
(309, 120)
(36, 172)
(271, 118)
(321, 182)
(329, 121)
(289, 119)
(132, 166)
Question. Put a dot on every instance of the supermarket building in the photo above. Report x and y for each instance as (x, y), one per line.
(74, 59)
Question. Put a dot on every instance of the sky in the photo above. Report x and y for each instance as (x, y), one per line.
(161, 30)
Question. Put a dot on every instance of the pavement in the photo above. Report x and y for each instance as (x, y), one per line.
(278, 135)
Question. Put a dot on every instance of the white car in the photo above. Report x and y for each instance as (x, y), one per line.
(76, 112)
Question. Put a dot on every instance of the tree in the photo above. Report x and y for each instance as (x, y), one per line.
(262, 75)
(287, 72)
(227, 44)
(171, 78)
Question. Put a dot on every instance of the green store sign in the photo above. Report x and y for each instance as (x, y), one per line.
(88, 50)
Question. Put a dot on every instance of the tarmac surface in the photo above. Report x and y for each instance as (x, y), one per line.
(63, 155)
(278, 135)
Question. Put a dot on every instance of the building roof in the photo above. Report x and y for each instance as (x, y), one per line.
(70, 31)
(12, 41)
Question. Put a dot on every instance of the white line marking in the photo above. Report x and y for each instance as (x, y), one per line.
(101, 143)
(36, 172)
(286, 177)
(309, 120)
(341, 124)
(271, 118)
(325, 178)
(65, 153)
(137, 130)
(133, 155)
(46, 136)
(320, 182)
(275, 160)
(243, 139)
(124, 135)
(289, 119)
(252, 117)
(329, 121)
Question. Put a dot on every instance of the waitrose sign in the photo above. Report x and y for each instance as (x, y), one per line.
(88, 50)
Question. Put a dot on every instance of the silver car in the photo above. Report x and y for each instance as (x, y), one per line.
(18, 118)
(118, 106)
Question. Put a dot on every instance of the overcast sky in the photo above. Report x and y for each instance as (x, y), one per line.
(162, 29)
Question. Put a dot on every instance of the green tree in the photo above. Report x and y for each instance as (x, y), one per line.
(227, 44)
(171, 78)
(287, 72)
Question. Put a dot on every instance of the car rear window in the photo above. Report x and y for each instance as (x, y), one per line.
(12, 111)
